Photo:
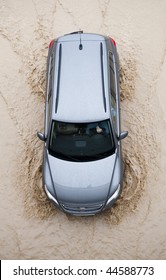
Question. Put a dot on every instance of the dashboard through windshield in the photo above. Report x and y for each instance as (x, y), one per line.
(81, 141)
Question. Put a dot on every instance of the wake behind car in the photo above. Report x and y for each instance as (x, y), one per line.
(82, 164)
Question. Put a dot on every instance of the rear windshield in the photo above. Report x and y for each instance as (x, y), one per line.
(81, 141)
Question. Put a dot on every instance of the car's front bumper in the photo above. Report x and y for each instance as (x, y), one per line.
(84, 209)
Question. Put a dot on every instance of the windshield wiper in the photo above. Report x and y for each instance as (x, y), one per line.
(64, 156)
(102, 155)
(73, 158)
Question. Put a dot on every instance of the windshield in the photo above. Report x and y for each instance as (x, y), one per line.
(81, 141)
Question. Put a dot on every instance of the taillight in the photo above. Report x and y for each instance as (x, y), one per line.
(113, 41)
(50, 44)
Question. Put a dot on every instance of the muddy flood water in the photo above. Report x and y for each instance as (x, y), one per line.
(30, 227)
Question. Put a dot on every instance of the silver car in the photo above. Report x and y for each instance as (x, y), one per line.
(82, 165)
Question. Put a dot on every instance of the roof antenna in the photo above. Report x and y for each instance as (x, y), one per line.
(80, 45)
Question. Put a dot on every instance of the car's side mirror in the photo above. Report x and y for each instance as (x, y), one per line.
(123, 135)
(41, 136)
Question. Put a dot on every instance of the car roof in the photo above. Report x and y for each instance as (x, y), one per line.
(81, 78)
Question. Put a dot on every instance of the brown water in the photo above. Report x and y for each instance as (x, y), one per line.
(31, 228)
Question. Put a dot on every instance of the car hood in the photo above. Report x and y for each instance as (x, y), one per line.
(82, 182)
